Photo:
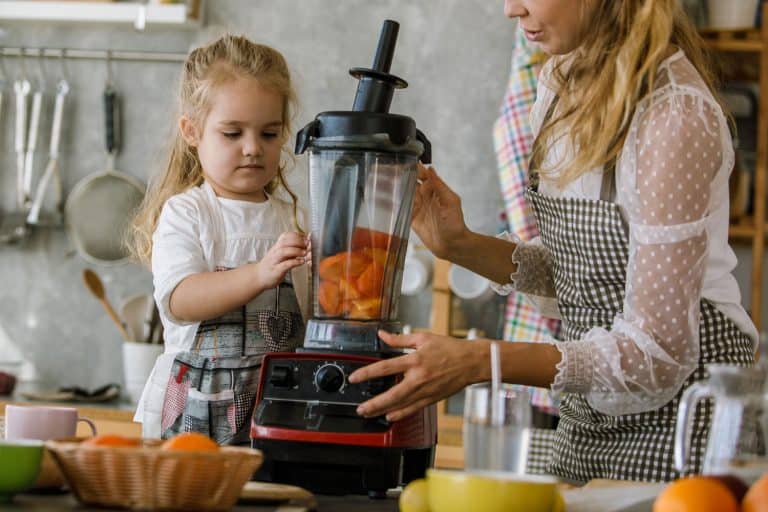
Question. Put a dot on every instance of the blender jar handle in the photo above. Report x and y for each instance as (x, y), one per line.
(691, 396)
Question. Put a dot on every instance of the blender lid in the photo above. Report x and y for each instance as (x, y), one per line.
(369, 125)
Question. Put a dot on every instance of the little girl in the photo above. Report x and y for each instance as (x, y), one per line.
(227, 255)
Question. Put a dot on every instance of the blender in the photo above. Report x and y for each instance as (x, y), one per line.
(362, 178)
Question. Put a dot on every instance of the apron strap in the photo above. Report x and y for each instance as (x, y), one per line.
(607, 188)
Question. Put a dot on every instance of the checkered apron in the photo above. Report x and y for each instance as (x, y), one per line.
(212, 388)
(589, 245)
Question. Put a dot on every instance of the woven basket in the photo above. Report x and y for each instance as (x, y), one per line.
(147, 478)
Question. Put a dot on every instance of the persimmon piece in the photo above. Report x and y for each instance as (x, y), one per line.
(343, 264)
(111, 440)
(370, 282)
(328, 296)
(363, 237)
(190, 442)
(347, 290)
(379, 256)
(365, 309)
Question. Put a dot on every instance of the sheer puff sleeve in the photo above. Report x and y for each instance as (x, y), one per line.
(674, 150)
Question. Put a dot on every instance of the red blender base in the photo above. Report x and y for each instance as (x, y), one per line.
(306, 425)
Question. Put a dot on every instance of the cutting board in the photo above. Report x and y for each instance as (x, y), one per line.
(290, 497)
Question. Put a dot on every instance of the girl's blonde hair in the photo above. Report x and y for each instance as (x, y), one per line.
(226, 59)
(601, 83)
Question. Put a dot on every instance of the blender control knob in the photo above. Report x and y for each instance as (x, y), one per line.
(329, 378)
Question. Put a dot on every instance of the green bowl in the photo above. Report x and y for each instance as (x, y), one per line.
(19, 466)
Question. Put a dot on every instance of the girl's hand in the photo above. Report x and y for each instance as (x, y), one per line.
(437, 215)
(290, 251)
(439, 367)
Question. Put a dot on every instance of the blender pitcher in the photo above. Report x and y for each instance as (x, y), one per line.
(736, 438)
(362, 179)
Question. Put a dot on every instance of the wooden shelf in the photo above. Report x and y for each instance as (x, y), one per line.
(745, 40)
(744, 230)
(137, 14)
(751, 229)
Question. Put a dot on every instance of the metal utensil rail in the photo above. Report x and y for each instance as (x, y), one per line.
(74, 53)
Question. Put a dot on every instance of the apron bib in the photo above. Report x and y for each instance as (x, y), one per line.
(589, 246)
(212, 388)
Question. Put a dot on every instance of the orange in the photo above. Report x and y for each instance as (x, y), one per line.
(696, 494)
(111, 440)
(191, 442)
(756, 499)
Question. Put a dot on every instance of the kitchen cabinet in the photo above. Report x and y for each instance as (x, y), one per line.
(737, 46)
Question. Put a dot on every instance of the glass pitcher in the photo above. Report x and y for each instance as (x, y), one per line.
(736, 442)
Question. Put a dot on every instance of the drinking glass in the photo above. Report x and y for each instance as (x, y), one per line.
(496, 442)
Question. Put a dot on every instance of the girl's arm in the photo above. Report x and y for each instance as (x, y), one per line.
(207, 295)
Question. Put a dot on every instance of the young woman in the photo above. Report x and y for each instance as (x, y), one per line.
(629, 176)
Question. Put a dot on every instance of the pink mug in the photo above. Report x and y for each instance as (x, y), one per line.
(42, 422)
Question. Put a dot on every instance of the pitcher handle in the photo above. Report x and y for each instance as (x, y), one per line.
(691, 396)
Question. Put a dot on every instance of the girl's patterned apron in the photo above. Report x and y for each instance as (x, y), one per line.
(589, 244)
(212, 388)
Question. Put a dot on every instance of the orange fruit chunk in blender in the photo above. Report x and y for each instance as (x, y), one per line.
(365, 309)
(343, 264)
(370, 281)
(190, 442)
(364, 237)
(329, 297)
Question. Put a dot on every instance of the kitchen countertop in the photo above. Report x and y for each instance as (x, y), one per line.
(67, 502)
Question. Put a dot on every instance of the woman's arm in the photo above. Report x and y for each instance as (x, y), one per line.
(439, 222)
(440, 366)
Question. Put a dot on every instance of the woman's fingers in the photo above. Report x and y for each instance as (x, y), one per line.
(401, 340)
(383, 368)
(404, 412)
(395, 397)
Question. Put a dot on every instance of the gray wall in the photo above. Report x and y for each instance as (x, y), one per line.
(454, 53)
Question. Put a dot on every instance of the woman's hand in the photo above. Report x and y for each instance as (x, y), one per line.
(437, 215)
(290, 251)
(439, 367)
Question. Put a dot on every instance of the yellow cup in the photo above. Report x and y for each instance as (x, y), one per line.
(491, 491)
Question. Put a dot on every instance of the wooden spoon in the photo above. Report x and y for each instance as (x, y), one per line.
(94, 284)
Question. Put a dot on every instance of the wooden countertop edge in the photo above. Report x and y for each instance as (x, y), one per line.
(92, 413)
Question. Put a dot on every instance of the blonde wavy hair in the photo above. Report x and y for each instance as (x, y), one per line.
(222, 61)
(600, 84)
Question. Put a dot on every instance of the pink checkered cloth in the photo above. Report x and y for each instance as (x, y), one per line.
(513, 140)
